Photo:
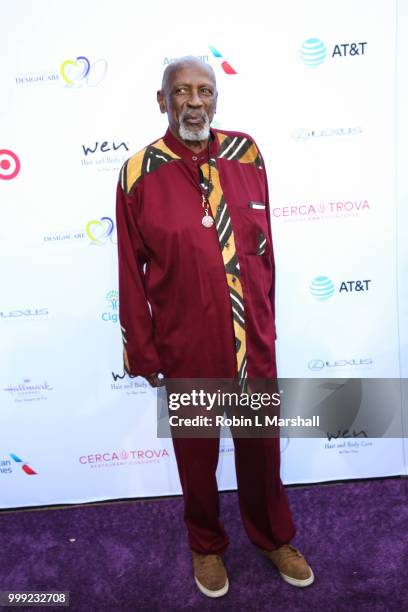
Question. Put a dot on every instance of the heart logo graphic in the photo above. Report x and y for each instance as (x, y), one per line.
(74, 71)
(100, 231)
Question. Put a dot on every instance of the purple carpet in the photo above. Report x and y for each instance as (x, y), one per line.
(131, 556)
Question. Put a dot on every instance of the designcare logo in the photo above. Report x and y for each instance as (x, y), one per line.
(112, 297)
(96, 232)
(6, 466)
(9, 165)
(79, 71)
(314, 51)
(124, 457)
(100, 231)
(73, 73)
(321, 211)
(317, 365)
(323, 288)
(220, 60)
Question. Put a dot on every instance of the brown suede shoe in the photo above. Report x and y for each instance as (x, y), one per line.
(291, 565)
(210, 574)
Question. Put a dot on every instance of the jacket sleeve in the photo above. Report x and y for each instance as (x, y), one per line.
(140, 354)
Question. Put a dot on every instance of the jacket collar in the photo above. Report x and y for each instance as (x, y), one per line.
(187, 154)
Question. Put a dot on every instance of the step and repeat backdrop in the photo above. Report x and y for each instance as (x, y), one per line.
(320, 86)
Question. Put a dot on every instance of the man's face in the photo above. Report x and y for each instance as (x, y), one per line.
(189, 99)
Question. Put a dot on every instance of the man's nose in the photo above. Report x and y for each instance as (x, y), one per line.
(195, 100)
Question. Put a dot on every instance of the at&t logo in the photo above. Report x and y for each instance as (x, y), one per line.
(322, 288)
(9, 165)
(313, 51)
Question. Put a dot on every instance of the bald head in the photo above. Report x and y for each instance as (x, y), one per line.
(188, 61)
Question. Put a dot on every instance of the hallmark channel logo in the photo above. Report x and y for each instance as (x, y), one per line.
(112, 314)
(317, 365)
(321, 211)
(24, 314)
(29, 391)
(321, 134)
(9, 165)
(6, 465)
(323, 288)
(313, 52)
(105, 155)
(122, 458)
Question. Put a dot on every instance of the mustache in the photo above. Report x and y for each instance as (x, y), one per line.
(193, 114)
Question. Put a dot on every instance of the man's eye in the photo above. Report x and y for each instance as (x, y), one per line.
(206, 91)
(181, 90)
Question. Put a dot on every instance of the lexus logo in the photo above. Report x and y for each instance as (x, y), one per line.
(318, 364)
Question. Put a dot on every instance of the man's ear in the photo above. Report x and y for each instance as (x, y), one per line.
(161, 101)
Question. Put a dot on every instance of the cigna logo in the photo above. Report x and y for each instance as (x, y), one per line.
(79, 71)
(9, 164)
(313, 51)
(100, 231)
(112, 297)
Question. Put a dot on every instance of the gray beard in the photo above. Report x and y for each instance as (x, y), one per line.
(186, 134)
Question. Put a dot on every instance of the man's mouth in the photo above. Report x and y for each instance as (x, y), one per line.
(194, 119)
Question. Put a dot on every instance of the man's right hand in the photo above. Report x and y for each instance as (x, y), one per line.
(155, 380)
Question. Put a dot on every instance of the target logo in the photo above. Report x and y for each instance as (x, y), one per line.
(9, 164)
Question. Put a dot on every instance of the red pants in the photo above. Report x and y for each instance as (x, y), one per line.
(262, 498)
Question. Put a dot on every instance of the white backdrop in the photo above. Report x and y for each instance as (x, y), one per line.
(316, 84)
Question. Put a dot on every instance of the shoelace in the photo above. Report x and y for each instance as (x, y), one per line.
(208, 560)
(289, 552)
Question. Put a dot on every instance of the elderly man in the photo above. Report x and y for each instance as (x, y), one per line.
(196, 292)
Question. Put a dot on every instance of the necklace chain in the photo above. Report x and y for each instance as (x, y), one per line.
(205, 203)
